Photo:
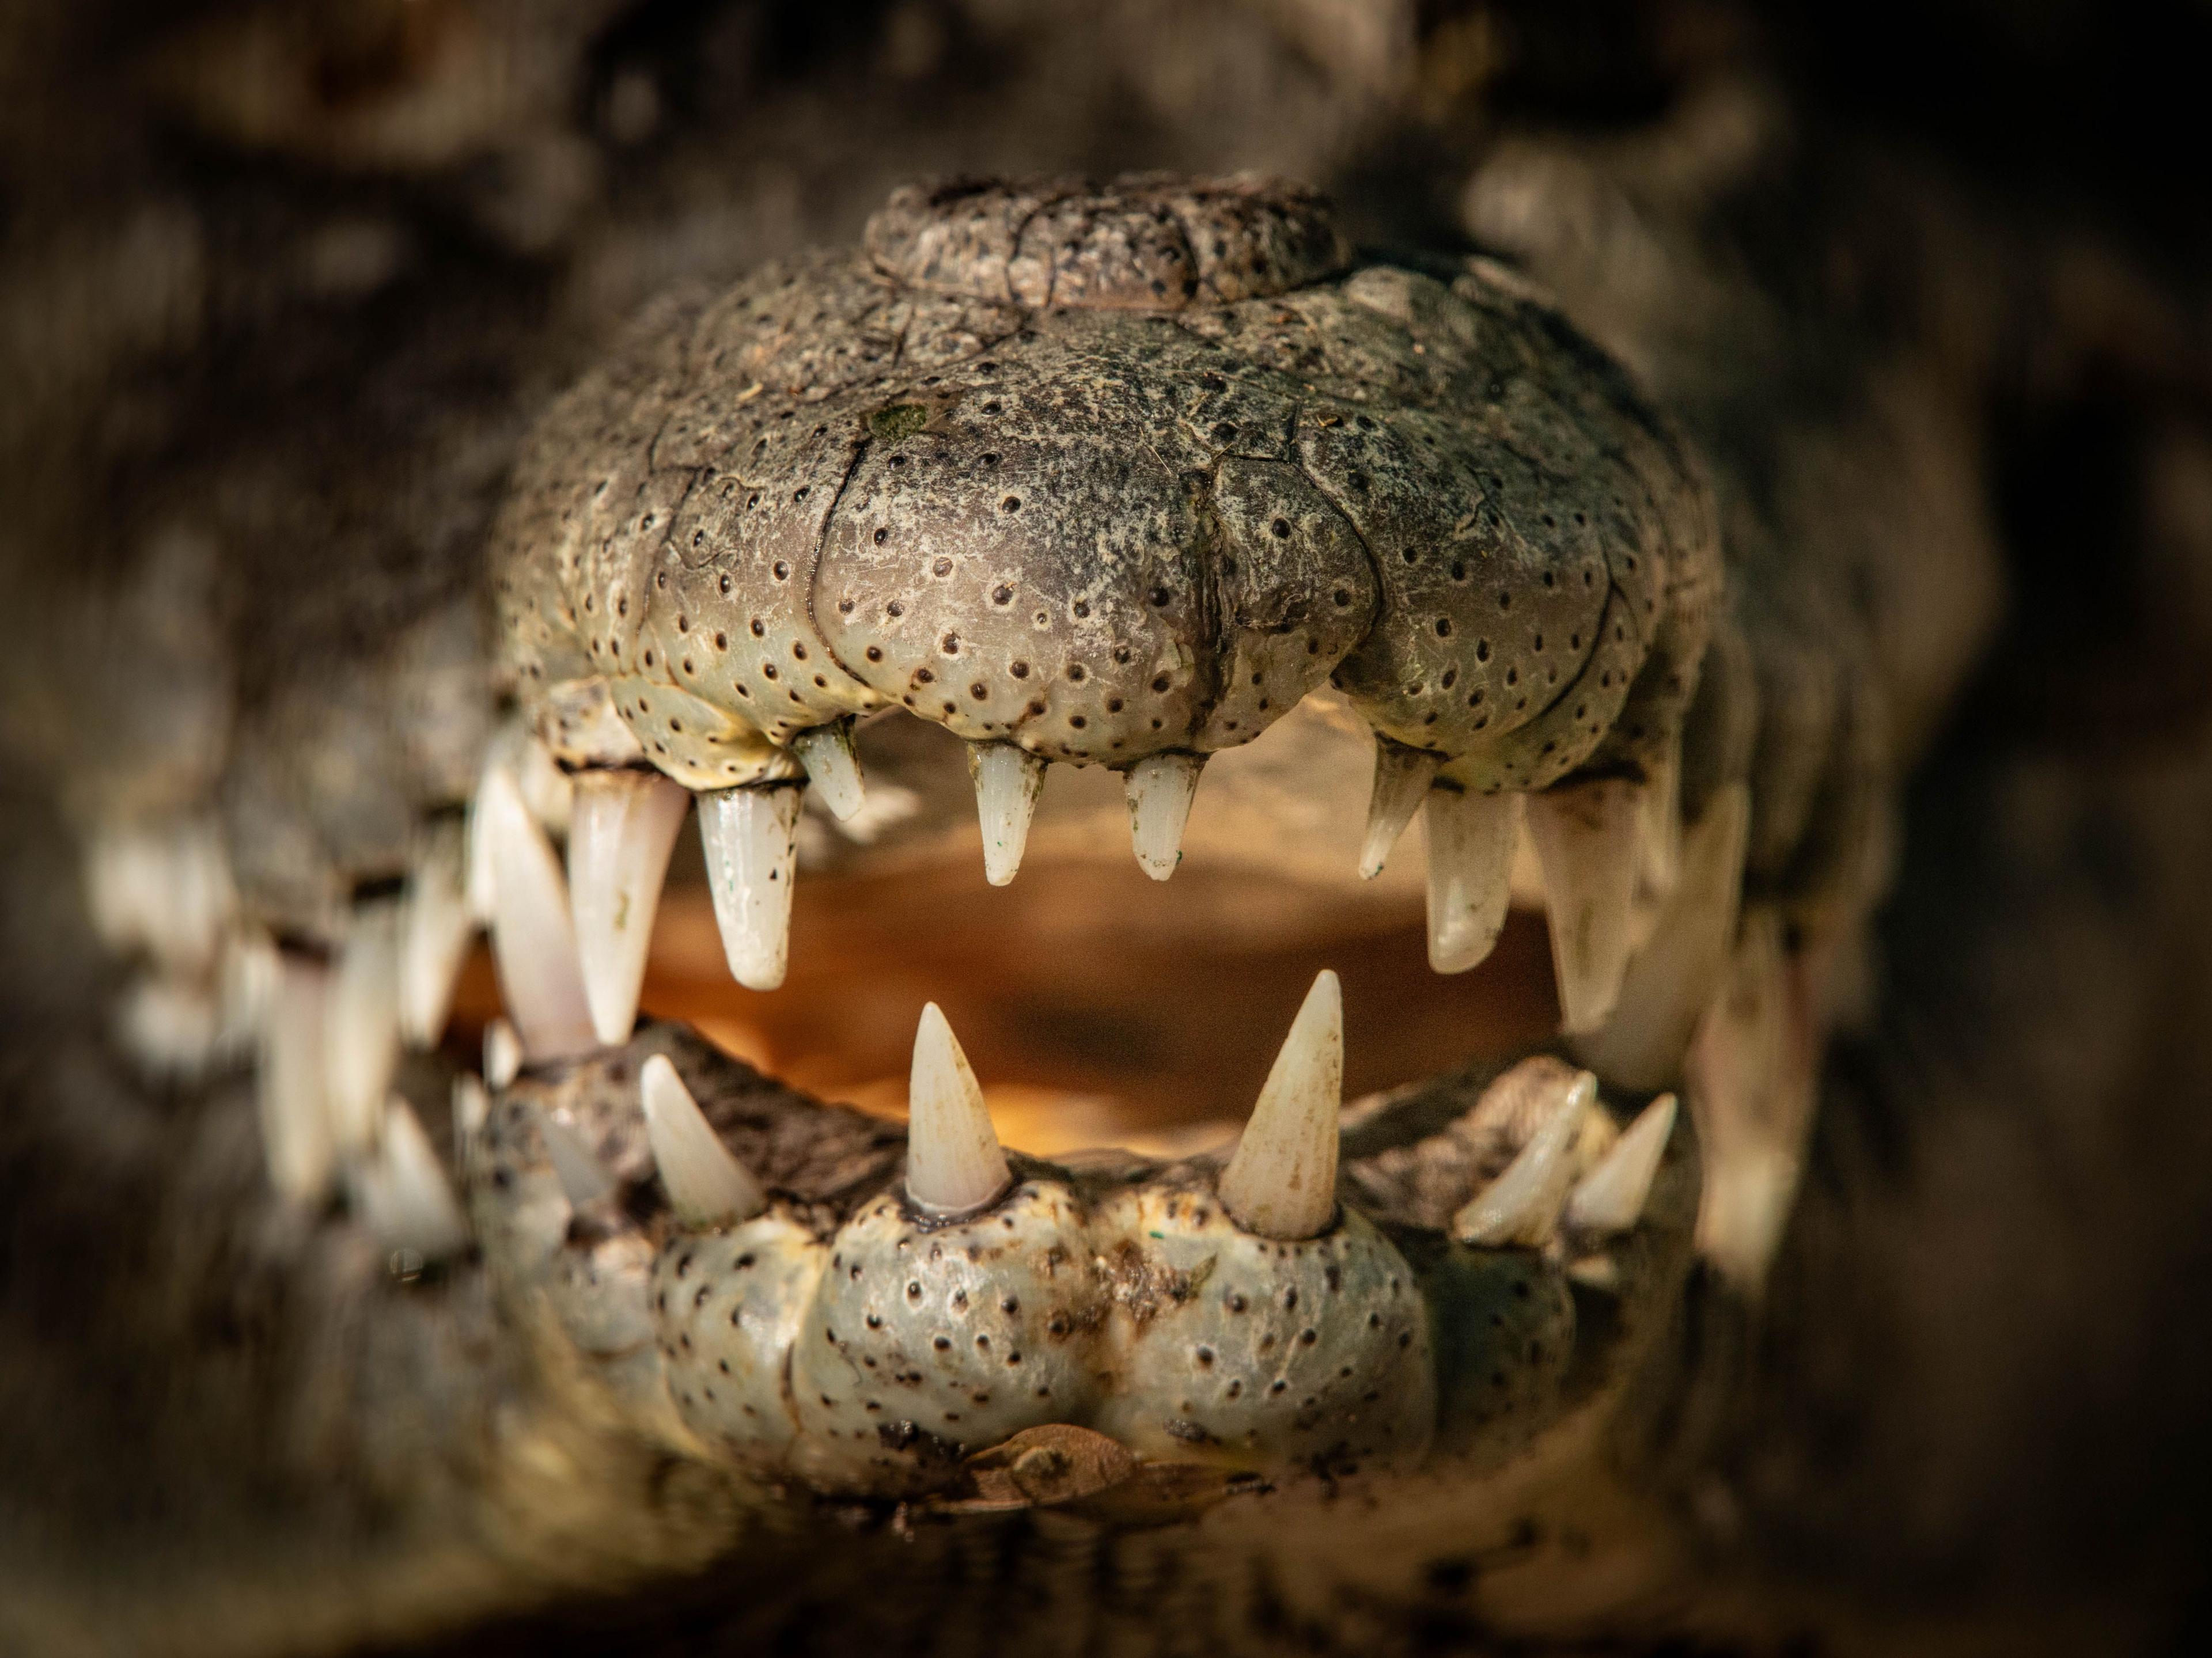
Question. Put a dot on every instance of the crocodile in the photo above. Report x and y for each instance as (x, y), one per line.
(1525, 663)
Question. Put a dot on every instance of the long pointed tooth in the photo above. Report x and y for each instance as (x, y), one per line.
(1008, 780)
(833, 770)
(1160, 790)
(1402, 776)
(953, 1162)
(533, 938)
(1611, 1197)
(503, 1054)
(1471, 838)
(360, 1031)
(1674, 978)
(751, 840)
(1281, 1181)
(1585, 836)
(621, 827)
(581, 1175)
(435, 931)
(1659, 835)
(1522, 1205)
(410, 1203)
(707, 1185)
(291, 1084)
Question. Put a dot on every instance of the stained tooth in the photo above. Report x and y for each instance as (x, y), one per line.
(1402, 776)
(751, 840)
(707, 1185)
(1281, 1183)
(1471, 840)
(953, 1162)
(296, 1129)
(409, 1202)
(1673, 979)
(435, 931)
(1008, 779)
(1585, 836)
(502, 1054)
(621, 827)
(1160, 789)
(533, 938)
(361, 1030)
(833, 770)
(1522, 1205)
(1659, 835)
(581, 1175)
(1611, 1197)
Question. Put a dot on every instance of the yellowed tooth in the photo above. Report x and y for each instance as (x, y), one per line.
(163, 886)
(707, 1185)
(1522, 1205)
(435, 928)
(502, 1054)
(472, 1111)
(622, 828)
(1008, 779)
(953, 1161)
(1402, 776)
(1659, 836)
(1585, 835)
(1281, 1181)
(833, 770)
(360, 1033)
(1471, 838)
(406, 1200)
(1611, 1197)
(292, 1083)
(533, 938)
(750, 836)
(1160, 788)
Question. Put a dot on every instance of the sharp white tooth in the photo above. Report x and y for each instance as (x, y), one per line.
(1471, 839)
(1659, 836)
(1160, 790)
(1402, 776)
(409, 1204)
(1611, 1197)
(1281, 1180)
(833, 770)
(296, 1127)
(1585, 835)
(503, 1054)
(751, 840)
(707, 1185)
(532, 937)
(471, 1110)
(622, 828)
(581, 1175)
(361, 1030)
(1008, 780)
(1522, 1205)
(953, 1162)
(1674, 978)
(435, 931)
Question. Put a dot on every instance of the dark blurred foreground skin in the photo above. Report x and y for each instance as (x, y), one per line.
(281, 292)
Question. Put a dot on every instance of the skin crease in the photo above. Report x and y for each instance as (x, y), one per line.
(273, 403)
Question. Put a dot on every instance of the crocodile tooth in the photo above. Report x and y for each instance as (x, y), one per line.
(472, 1111)
(1611, 1197)
(751, 840)
(1008, 780)
(164, 887)
(1402, 776)
(707, 1185)
(583, 1177)
(360, 1029)
(953, 1162)
(502, 1054)
(532, 937)
(1673, 979)
(292, 1080)
(434, 939)
(1471, 839)
(1585, 837)
(1160, 789)
(833, 770)
(406, 1198)
(621, 827)
(1659, 835)
(1522, 1205)
(1281, 1183)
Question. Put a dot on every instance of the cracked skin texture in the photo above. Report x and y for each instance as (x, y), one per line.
(1107, 472)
